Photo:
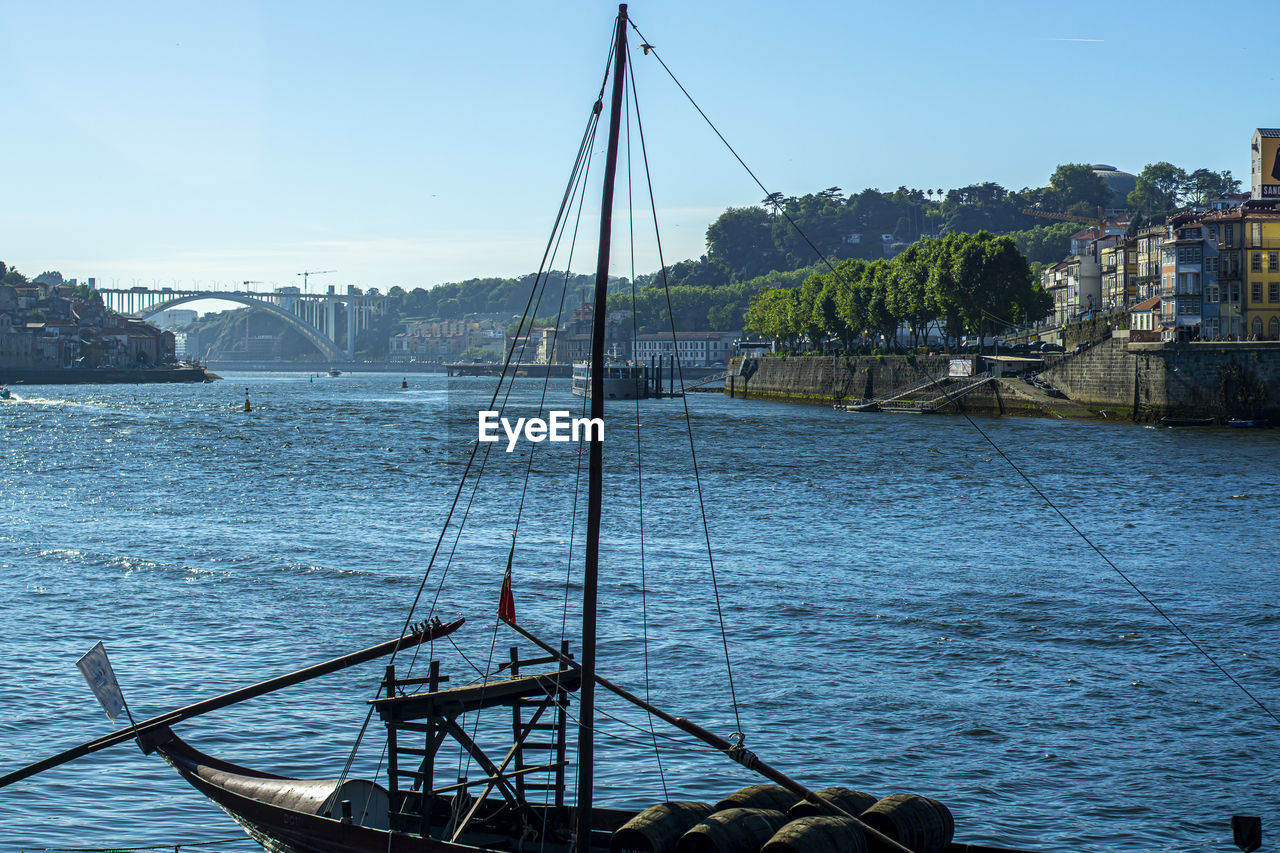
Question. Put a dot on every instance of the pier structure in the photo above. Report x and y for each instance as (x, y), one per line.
(314, 315)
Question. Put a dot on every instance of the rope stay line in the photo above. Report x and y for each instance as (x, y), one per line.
(635, 336)
(540, 287)
(584, 149)
(693, 453)
(1048, 502)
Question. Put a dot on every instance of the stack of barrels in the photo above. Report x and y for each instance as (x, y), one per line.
(770, 819)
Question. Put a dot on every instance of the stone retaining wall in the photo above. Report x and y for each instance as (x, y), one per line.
(823, 379)
(1114, 378)
(1149, 380)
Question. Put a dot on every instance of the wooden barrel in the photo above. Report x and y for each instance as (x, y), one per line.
(919, 823)
(853, 802)
(732, 831)
(818, 834)
(658, 828)
(759, 797)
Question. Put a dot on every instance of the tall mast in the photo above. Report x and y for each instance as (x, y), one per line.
(595, 475)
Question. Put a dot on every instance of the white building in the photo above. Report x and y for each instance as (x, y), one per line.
(696, 349)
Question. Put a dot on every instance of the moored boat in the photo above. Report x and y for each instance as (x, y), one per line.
(621, 381)
(501, 806)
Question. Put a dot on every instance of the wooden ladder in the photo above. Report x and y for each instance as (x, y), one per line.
(412, 758)
(551, 735)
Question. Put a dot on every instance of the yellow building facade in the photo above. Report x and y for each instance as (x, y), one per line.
(1261, 272)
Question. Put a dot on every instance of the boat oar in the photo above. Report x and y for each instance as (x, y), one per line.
(745, 757)
(430, 632)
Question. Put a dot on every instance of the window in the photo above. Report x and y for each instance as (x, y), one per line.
(1273, 262)
(1273, 291)
(1255, 291)
(1273, 328)
(1255, 233)
(1233, 295)
(1211, 293)
(1228, 235)
(1189, 255)
(1255, 262)
(1213, 232)
(1257, 327)
(1211, 264)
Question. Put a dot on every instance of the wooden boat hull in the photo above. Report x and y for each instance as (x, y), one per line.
(281, 813)
(271, 809)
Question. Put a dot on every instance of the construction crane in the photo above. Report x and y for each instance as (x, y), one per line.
(1100, 222)
(308, 273)
(247, 283)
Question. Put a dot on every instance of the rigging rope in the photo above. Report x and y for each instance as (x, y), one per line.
(688, 423)
(635, 336)
(584, 147)
(821, 256)
(1125, 577)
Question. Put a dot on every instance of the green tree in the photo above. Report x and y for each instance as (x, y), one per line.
(1205, 185)
(852, 295)
(1075, 188)
(773, 314)
(908, 287)
(1160, 190)
(1046, 244)
(811, 321)
(740, 242)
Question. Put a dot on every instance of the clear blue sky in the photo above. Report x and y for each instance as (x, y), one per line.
(413, 143)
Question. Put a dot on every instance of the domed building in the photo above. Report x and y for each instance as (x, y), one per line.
(1120, 183)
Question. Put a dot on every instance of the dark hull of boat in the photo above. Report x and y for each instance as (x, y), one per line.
(281, 813)
(279, 828)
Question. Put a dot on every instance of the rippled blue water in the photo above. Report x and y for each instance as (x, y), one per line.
(903, 613)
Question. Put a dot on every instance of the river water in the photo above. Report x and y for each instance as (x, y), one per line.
(903, 613)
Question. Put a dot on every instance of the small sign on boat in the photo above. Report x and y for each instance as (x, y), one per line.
(96, 669)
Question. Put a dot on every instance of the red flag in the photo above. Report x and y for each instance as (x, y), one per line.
(506, 601)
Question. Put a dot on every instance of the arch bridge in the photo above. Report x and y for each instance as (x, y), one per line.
(313, 315)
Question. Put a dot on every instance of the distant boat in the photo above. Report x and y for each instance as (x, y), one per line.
(1248, 423)
(5, 394)
(621, 381)
(333, 371)
(1185, 422)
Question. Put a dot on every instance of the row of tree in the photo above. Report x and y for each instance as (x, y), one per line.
(958, 284)
(786, 232)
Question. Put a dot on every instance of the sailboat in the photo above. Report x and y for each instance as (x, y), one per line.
(517, 803)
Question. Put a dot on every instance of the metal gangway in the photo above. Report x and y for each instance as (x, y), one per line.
(898, 403)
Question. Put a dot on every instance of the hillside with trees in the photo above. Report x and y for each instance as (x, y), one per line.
(784, 241)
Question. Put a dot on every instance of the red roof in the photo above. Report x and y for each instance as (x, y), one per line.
(1149, 305)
